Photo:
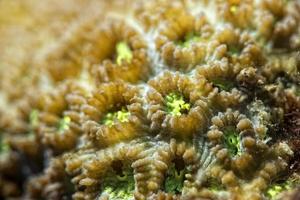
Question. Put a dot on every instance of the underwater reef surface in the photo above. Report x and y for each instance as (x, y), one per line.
(158, 99)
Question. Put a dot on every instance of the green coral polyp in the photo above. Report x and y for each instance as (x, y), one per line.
(33, 118)
(174, 180)
(119, 187)
(118, 194)
(161, 99)
(189, 39)
(176, 104)
(223, 84)
(33, 121)
(64, 124)
(124, 53)
(297, 92)
(232, 141)
(111, 118)
(4, 147)
(276, 189)
(214, 186)
(233, 50)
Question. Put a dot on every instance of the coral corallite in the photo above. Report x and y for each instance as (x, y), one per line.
(150, 99)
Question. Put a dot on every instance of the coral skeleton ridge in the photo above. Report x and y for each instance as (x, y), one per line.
(150, 100)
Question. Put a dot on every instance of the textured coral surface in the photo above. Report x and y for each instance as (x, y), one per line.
(150, 99)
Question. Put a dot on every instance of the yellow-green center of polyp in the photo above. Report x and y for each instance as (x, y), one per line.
(298, 91)
(214, 185)
(277, 188)
(232, 141)
(176, 104)
(223, 84)
(233, 9)
(4, 147)
(33, 121)
(119, 188)
(64, 124)
(112, 117)
(33, 118)
(189, 39)
(124, 53)
(174, 180)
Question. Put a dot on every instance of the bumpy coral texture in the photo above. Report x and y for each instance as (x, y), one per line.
(162, 99)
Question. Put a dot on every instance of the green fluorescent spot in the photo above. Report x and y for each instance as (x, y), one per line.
(4, 147)
(119, 187)
(123, 52)
(189, 39)
(277, 188)
(176, 104)
(174, 180)
(233, 9)
(33, 121)
(226, 85)
(64, 124)
(233, 50)
(214, 185)
(232, 141)
(274, 191)
(298, 92)
(121, 115)
(33, 118)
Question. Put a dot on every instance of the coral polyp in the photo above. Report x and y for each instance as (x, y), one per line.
(121, 115)
(114, 113)
(150, 100)
(169, 112)
(123, 53)
(176, 105)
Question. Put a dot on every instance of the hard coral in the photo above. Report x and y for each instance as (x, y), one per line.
(162, 99)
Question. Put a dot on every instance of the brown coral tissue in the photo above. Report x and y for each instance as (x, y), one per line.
(150, 99)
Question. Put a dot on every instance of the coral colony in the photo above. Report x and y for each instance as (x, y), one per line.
(150, 100)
